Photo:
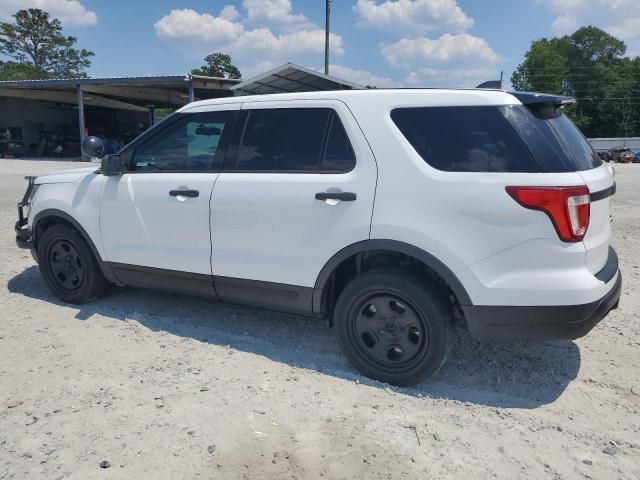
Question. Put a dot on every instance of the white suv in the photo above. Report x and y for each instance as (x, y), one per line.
(386, 212)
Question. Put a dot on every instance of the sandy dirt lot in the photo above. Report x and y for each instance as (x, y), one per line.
(169, 387)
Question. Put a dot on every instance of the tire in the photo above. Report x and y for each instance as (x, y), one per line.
(68, 266)
(394, 326)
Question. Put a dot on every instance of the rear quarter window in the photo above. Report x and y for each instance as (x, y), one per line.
(464, 139)
(554, 141)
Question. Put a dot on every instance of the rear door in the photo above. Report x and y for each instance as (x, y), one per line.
(299, 188)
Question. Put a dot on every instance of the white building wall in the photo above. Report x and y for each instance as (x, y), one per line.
(606, 143)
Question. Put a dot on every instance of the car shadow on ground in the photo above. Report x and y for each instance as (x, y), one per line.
(516, 374)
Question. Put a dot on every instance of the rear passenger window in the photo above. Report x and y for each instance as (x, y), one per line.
(464, 139)
(338, 153)
(294, 140)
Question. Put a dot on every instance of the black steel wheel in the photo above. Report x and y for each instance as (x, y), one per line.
(68, 266)
(65, 264)
(393, 326)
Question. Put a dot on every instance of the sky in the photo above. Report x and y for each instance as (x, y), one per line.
(386, 43)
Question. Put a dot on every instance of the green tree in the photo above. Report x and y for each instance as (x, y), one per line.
(34, 40)
(590, 66)
(16, 71)
(545, 68)
(218, 65)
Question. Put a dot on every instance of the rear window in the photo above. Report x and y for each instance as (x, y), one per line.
(510, 138)
(555, 142)
(464, 139)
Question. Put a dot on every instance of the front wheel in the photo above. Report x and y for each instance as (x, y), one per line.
(393, 326)
(68, 266)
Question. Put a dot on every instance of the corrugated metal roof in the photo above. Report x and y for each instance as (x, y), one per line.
(150, 79)
(291, 78)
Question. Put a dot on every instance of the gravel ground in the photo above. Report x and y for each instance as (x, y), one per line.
(163, 386)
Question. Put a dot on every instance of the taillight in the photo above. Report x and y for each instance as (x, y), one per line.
(567, 207)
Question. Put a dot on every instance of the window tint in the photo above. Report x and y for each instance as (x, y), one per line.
(555, 142)
(284, 139)
(192, 143)
(338, 153)
(464, 139)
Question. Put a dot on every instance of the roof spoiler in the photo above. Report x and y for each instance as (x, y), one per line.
(533, 100)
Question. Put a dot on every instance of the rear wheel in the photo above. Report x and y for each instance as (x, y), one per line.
(68, 266)
(393, 326)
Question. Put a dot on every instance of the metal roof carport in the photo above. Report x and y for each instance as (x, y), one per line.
(139, 94)
(291, 78)
(146, 93)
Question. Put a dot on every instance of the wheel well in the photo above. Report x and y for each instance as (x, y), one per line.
(48, 222)
(48, 218)
(361, 262)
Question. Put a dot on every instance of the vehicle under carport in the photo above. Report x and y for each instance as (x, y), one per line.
(49, 118)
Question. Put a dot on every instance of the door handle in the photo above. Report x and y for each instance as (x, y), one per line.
(184, 193)
(344, 196)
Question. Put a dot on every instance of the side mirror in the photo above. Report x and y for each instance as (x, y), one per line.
(112, 165)
(92, 147)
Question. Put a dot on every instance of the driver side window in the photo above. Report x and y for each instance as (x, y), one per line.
(192, 143)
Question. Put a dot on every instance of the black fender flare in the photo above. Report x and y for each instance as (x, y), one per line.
(394, 246)
(55, 213)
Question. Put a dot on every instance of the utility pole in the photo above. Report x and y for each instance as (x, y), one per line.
(501, 75)
(326, 37)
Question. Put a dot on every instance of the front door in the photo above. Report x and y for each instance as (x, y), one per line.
(156, 215)
(300, 190)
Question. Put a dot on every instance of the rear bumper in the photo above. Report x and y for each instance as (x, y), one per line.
(545, 322)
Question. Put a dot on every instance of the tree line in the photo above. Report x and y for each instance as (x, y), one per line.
(591, 66)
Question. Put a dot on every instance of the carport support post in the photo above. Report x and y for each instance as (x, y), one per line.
(192, 95)
(80, 114)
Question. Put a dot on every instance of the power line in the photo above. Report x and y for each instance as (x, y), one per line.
(581, 67)
(534, 74)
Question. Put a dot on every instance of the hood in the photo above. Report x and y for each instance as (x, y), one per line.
(66, 176)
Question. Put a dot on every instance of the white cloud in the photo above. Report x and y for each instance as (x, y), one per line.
(446, 50)
(257, 69)
(456, 77)
(618, 17)
(282, 45)
(629, 28)
(418, 16)
(187, 23)
(451, 60)
(69, 12)
(230, 13)
(227, 32)
(362, 77)
(274, 12)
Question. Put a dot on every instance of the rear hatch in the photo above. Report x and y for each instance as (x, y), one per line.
(557, 146)
(596, 241)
